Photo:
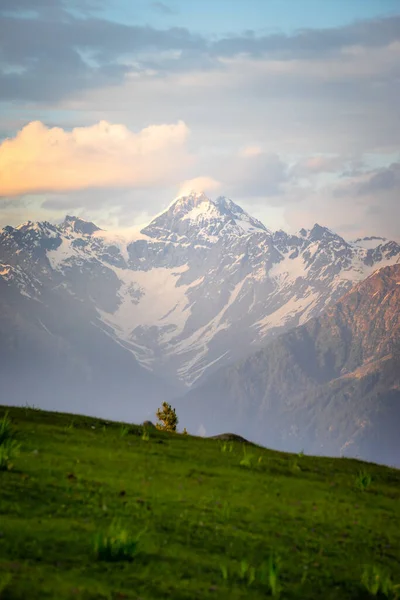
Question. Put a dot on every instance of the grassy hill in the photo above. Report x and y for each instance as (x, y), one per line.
(216, 519)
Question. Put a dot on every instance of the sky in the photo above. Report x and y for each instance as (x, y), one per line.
(110, 109)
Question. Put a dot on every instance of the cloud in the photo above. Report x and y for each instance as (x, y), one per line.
(107, 207)
(292, 108)
(381, 181)
(51, 57)
(269, 115)
(252, 173)
(199, 184)
(315, 165)
(163, 8)
(369, 183)
(41, 159)
(251, 151)
(74, 54)
(312, 43)
(355, 205)
(16, 6)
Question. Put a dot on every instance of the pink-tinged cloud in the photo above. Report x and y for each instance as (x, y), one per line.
(41, 159)
(313, 165)
(251, 151)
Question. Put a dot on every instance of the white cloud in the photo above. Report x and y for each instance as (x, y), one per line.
(199, 184)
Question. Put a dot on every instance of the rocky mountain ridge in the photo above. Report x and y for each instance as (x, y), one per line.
(331, 386)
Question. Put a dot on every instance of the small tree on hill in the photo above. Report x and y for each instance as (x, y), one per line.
(167, 415)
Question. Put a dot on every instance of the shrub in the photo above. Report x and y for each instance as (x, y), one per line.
(145, 435)
(9, 450)
(167, 415)
(247, 460)
(295, 467)
(377, 582)
(363, 480)
(247, 572)
(116, 544)
(274, 577)
(6, 429)
(226, 447)
(123, 432)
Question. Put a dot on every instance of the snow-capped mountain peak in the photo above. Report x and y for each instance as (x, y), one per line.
(195, 207)
(34, 227)
(198, 218)
(242, 219)
(78, 225)
(319, 233)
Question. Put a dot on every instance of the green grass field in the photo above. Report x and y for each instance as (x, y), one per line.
(93, 509)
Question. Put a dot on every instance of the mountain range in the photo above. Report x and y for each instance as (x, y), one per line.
(111, 324)
(330, 386)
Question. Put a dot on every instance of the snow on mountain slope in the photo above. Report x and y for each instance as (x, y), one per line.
(202, 285)
(65, 252)
(159, 287)
(26, 285)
